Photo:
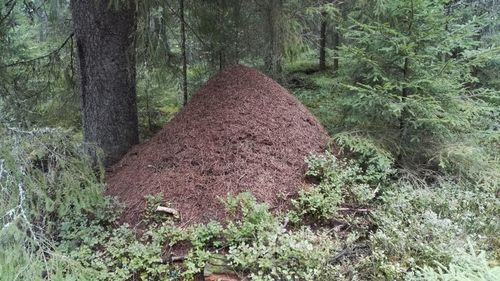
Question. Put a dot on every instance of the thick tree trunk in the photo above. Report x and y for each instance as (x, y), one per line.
(105, 43)
(322, 46)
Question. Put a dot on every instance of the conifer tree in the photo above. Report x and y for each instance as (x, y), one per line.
(406, 67)
(106, 52)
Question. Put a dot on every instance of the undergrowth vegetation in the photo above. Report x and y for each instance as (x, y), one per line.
(356, 221)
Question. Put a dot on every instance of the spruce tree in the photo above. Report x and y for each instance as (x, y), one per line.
(407, 65)
(106, 54)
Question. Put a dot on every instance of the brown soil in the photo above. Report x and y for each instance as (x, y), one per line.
(240, 132)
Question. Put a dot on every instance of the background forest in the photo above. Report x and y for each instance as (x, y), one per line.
(408, 91)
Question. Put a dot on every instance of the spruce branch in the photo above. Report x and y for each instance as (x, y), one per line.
(52, 53)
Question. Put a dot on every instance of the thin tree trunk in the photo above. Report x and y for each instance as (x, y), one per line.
(273, 57)
(184, 57)
(404, 95)
(337, 36)
(322, 45)
(404, 112)
(237, 26)
(105, 43)
(222, 38)
(336, 44)
(221, 59)
(148, 111)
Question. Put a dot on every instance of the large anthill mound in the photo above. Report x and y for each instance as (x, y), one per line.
(240, 132)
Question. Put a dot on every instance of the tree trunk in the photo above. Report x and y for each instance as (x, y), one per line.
(404, 113)
(322, 46)
(336, 34)
(403, 118)
(336, 42)
(105, 42)
(184, 57)
(273, 56)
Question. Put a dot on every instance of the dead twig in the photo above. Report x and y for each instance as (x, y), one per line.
(168, 210)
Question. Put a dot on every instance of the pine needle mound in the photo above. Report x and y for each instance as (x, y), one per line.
(240, 132)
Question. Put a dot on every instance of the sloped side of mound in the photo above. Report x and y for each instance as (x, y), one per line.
(240, 132)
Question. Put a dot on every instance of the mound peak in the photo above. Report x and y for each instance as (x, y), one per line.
(240, 132)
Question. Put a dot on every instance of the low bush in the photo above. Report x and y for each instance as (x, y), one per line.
(464, 266)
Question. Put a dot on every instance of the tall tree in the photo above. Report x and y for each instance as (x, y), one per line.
(273, 57)
(184, 57)
(105, 43)
(336, 44)
(322, 44)
(330, 15)
(340, 11)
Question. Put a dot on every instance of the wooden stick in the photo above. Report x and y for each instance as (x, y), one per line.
(168, 210)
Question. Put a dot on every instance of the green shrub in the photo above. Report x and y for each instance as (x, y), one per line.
(285, 255)
(261, 246)
(423, 225)
(117, 252)
(465, 266)
(44, 179)
(340, 181)
(250, 218)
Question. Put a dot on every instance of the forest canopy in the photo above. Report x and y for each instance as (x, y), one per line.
(407, 187)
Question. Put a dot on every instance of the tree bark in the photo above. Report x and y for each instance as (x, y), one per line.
(322, 46)
(336, 42)
(105, 43)
(337, 35)
(184, 57)
(273, 56)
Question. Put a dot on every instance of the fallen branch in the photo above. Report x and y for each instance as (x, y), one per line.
(168, 210)
(341, 254)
